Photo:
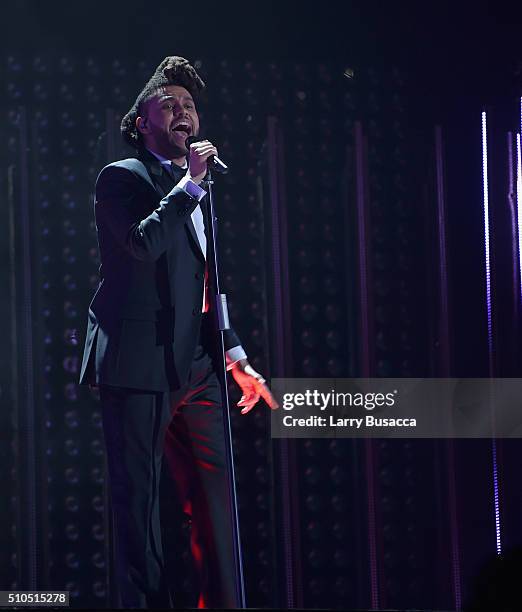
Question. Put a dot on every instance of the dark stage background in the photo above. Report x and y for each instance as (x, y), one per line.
(347, 128)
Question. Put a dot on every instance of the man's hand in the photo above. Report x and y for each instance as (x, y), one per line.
(197, 160)
(252, 385)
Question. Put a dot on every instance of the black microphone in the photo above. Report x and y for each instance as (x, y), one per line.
(214, 161)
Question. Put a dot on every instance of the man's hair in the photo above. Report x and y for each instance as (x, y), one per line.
(173, 70)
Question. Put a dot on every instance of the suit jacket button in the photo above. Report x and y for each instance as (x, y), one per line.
(197, 275)
(194, 312)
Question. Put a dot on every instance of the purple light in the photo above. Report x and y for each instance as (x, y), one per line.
(496, 499)
(519, 212)
(486, 232)
(519, 200)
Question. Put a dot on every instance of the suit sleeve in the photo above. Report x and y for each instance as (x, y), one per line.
(234, 350)
(121, 197)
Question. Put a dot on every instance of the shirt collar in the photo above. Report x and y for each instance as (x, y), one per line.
(167, 162)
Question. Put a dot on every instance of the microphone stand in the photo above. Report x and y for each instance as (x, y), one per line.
(220, 316)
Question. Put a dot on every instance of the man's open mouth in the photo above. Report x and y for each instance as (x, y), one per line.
(183, 128)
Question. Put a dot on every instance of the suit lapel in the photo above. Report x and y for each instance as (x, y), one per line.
(164, 182)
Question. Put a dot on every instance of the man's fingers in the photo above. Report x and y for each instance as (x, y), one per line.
(268, 397)
(249, 399)
(205, 149)
(265, 393)
(199, 154)
(248, 394)
(254, 387)
(201, 143)
(248, 407)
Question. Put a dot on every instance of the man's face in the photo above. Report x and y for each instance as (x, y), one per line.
(168, 119)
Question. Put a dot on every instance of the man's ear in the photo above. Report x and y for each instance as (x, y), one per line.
(142, 125)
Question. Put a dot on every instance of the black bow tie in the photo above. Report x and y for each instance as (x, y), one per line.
(175, 171)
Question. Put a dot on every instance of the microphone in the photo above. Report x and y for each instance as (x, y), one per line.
(214, 161)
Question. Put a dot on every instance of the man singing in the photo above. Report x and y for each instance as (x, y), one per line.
(150, 346)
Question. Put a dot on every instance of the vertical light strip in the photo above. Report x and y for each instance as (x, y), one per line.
(366, 365)
(496, 500)
(283, 362)
(444, 365)
(486, 236)
(27, 423)
(519, 212)
(519, 201)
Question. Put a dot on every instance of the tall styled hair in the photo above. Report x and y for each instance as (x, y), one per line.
(173, 70)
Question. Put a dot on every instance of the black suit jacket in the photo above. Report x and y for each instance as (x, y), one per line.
(145, 317)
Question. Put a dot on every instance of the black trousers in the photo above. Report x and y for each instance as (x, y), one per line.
(186, 428)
